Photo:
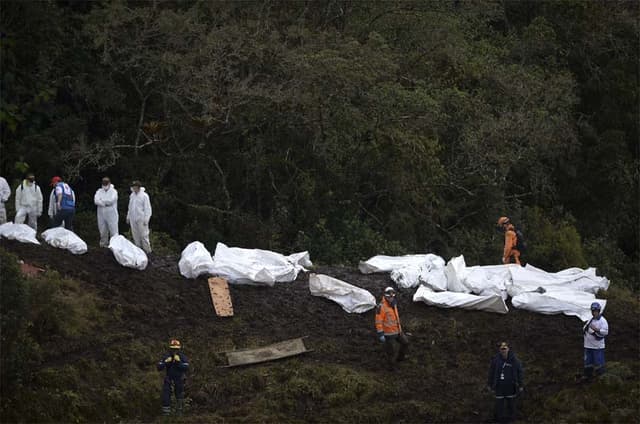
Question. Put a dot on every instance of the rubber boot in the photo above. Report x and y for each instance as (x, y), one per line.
(588, 374)
(166, 410)
(179, 406)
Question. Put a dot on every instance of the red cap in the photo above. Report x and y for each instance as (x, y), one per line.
(55, 180)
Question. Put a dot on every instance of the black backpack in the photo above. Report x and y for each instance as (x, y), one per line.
(521, 243)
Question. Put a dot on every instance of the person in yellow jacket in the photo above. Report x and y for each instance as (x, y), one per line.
(388, 328)
(510, 241)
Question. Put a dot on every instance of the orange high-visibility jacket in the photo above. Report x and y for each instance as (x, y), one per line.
(387, 319)
(510, 241)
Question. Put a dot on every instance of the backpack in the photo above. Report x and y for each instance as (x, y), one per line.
(521, 243)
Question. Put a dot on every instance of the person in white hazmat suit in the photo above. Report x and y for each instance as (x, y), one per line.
(5, 192)
(28, 202)
(106, 199)
(138, 216)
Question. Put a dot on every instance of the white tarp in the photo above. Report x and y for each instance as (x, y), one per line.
(128, 254)
(62, 238)
(448, 299)
(569, 302)
(456, 273)
(256, 266)
(529, 277)
(429, 272)
(352, 299)
(195, 260)
(382, 263)
(20, 232)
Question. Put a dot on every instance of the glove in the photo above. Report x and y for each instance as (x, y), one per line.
(381, 337)
(176, 358)
(168, 359)
(521, 389)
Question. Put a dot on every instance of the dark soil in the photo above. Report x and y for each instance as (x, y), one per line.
(449, 352)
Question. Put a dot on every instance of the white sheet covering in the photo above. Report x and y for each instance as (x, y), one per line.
(448, 299)
(62, 238)
(352, 299)
(382, 263)
(128, 254)
(558, 301)
(256, 266)
(529, 277)
(429, 272)
(20, 232)
(195, 260)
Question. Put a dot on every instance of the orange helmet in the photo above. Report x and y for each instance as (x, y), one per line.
(174, 344)
(503, 220)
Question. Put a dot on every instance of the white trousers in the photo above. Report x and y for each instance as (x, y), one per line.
(140, 234)
(108, 228)
(27, 212)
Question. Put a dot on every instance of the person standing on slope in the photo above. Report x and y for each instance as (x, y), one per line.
(138, 216)
(5, 193)
(28, 202)
(388, 328)
(510, 241)
(65, 204)
(506, 382)
(106, 199)
(176, 365)
(595, 330)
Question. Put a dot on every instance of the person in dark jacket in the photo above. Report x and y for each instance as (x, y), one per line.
(505, 381)
(176, 364)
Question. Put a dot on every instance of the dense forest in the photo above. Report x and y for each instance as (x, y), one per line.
(346, 128)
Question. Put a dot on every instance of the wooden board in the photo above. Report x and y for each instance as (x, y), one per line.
(219, 289)
(268, 353)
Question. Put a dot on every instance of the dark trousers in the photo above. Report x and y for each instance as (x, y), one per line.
(65, 215)
(178, 386)
(389, 347)
(505, 409)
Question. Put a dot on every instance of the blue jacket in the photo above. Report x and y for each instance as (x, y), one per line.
(505, 375)
(175, 369)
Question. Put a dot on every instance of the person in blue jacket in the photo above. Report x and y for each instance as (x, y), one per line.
(176, 364)
(505, 381)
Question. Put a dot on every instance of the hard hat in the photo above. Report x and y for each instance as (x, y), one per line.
(595, 306)
(389, 291)
(175, 344)
(503, 220)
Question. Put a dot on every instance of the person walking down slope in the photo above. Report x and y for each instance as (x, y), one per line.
(65, 204)
(106, 199)
(28, 202)
(138, 216)
(510, 241)
(506, 382)
(388, 328)
(595, 330)
(5, 193)
(176, 365)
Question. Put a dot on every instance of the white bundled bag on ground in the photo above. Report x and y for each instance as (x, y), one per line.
(20, 232)
(128, 254)
(195, 260)
(430, 273)
(456, 273)
(62, 238)
(558, 301)
(447, 299)
(527, 278)
(382, 263)
(352, 299)
(256, 266)
(489, 279)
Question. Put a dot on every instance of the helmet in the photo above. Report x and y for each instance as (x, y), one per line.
(595, 306)
(55, 180)
(389, 291)
(174, 344)
(503, 220)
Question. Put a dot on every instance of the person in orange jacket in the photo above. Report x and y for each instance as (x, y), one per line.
(510, 241)
(388, 328)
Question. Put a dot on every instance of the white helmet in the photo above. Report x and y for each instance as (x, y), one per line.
(389, 291)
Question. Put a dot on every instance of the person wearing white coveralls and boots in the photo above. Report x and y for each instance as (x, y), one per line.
(106, 199)
(5, 192)
(138, 216)
(28, 202)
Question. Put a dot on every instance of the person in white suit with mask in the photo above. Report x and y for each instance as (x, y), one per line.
(138, 216)
(106, 199)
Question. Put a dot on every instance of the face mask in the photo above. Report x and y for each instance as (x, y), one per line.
(31, 179)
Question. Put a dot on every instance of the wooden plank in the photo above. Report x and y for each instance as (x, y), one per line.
(272, 352)
(219, 289)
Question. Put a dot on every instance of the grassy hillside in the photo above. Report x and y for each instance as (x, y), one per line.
(80, 342)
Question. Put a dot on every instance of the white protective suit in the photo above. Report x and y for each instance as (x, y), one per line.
(138, 216)
(106, 199)
(28, 204)
(53, 207)
(5, 192)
